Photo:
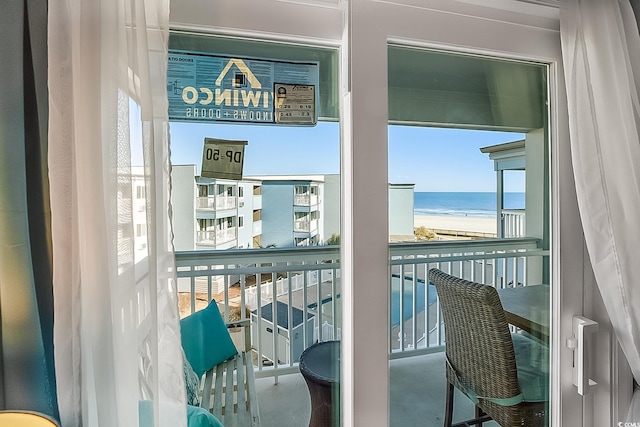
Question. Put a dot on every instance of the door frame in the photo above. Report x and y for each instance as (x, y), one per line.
(362, 29)
(469, 29)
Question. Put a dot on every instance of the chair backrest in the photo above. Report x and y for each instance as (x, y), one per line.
(479, 347)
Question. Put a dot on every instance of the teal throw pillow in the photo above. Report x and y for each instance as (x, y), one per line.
(205, 339)
(200, 417)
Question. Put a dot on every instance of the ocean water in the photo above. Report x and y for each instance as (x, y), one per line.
(481, 205)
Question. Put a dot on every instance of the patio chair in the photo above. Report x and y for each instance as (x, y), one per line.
(228, 384)
(485, 361)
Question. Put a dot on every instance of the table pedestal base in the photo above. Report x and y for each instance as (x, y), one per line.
(320, 368)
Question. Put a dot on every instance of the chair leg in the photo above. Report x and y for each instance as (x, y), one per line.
(448, 411)
(478, 415)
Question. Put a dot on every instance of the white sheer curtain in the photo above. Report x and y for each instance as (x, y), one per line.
(117, 338)
(601, 55)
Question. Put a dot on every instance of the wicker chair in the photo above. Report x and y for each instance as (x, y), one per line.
(481, 360)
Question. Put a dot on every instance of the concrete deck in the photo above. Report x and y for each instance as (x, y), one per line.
(417, 396)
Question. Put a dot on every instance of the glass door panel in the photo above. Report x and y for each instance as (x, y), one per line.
(468, 207)
(272, 260)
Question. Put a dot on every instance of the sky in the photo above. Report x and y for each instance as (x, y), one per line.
(437, 159)
(433, 159)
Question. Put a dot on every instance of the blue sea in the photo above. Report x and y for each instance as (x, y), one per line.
(481, 205)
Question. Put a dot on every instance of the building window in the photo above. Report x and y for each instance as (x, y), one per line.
(226, 223)
(241, 221)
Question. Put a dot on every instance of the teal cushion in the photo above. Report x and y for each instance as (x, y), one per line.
(205, 339)
(532, 361)
(196, 416)
(145, 413)
(200, 417)
(191, 382)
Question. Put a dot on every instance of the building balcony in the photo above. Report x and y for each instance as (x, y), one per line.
(512, 223)
(306, 200)
(304, 282)
(216, 237)
(302, 200)
(257, 228)
(215, 203)
(257, 202)
(305, 225)
(302, 226)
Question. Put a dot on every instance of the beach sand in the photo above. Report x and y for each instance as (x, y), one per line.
(461, 224)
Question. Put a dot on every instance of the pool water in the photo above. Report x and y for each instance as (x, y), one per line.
(408, 297)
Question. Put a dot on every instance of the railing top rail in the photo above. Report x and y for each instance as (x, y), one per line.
(267, 255)
(463, 246)
(514, 211)
(266, 270)
(315, 253)
(467, 257)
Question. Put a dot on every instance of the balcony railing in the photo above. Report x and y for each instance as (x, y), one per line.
(305, 225)
(216, 237)
(257, 228)
(257, 202)
(415, 324)
(513, 221)
(301, 225)
(207, 203)
(302, 200)
(306, 199)
(305, 282)
(216, 202)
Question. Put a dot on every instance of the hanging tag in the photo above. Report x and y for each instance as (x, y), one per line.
(222, 158)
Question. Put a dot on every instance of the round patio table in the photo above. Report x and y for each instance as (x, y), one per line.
(320, 368)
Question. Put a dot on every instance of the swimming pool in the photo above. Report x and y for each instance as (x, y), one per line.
(408, 296)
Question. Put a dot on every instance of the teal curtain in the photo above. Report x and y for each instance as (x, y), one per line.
(27, 379)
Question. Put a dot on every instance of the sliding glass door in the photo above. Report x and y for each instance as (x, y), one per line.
(461, 127)
(436, 90)
(417, 88)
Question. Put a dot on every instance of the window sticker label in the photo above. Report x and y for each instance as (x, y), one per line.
(295, 104)
(203, 87)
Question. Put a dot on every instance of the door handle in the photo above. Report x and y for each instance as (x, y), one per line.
(583, 331)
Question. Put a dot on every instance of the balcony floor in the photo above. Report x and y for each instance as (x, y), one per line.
(413, 402)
